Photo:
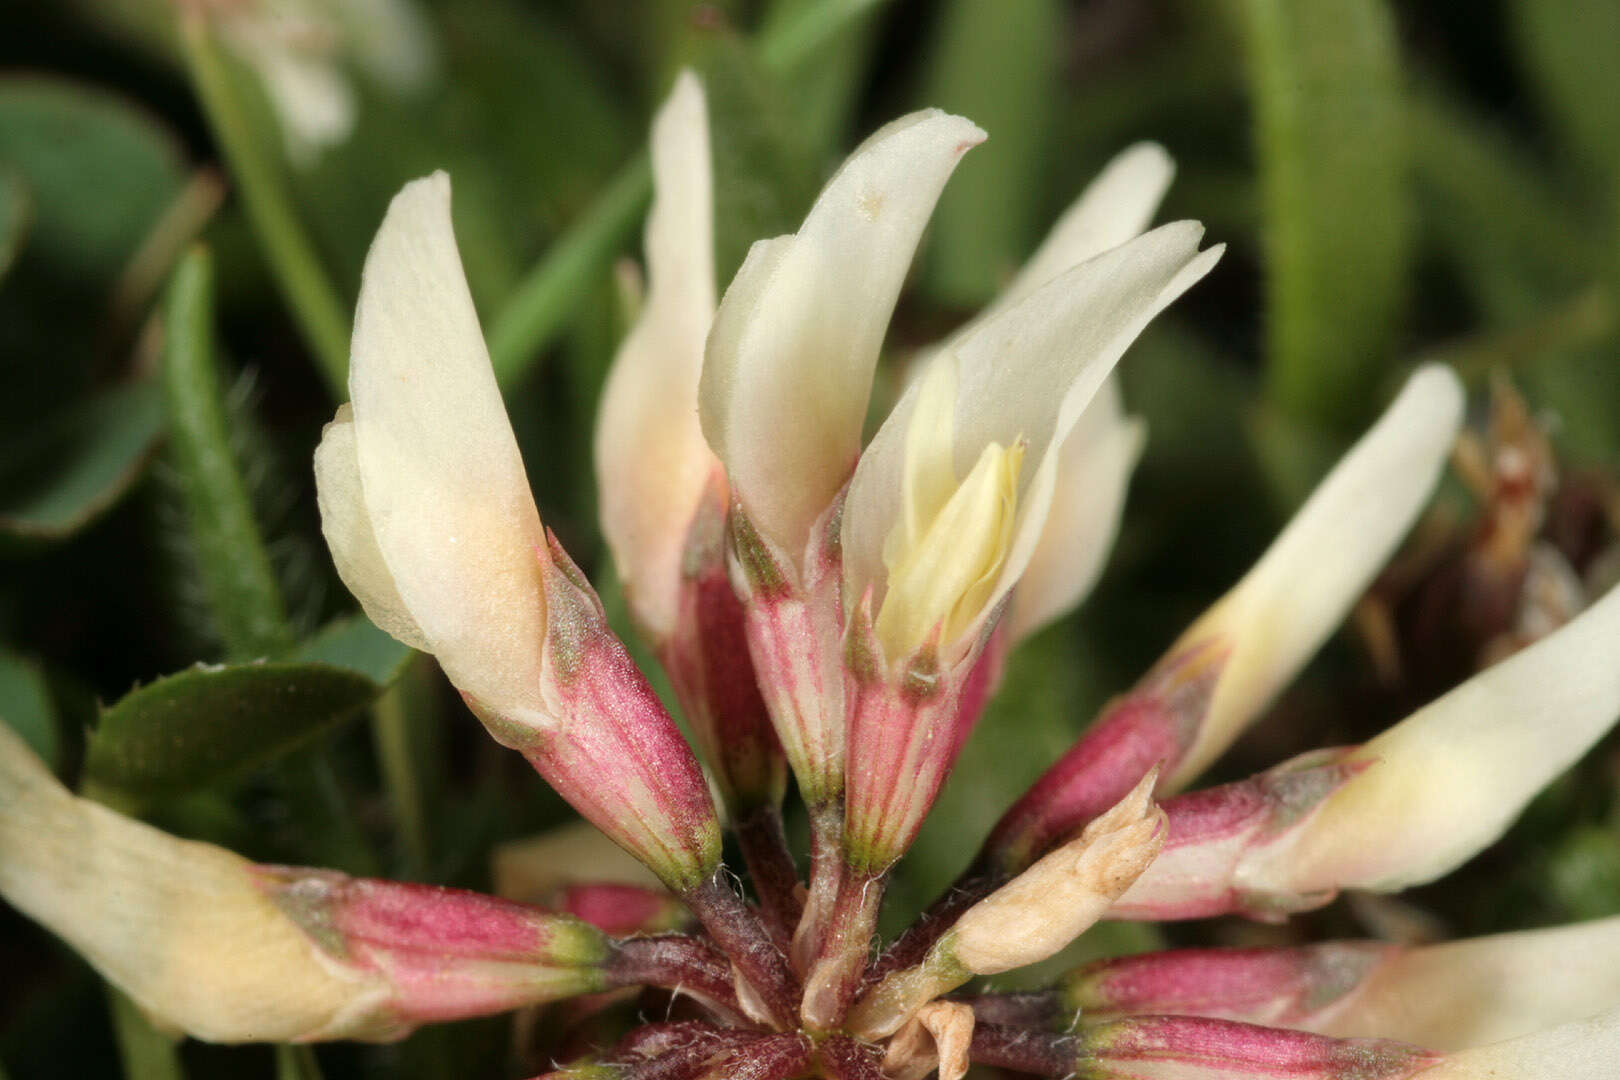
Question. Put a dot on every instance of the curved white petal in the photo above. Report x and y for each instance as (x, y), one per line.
(1088, 499)
(1484, 990)
(178, 926)
(1114, 208)
(788, 367)
(1026, 374)
(1584, 1050)
(652, 462)
(442, 481)
(346, 524)
(1449, 779)
(1275, 619)
(1096, 460)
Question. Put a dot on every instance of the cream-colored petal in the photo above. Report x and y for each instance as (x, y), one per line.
(1115, 207)
(788, 367)
(1088, 500)
(1027, 374)
(439, 468)
(1449, 779)
(1046, 907)
(1293, 599)
(177, 926)
(347, 527)
(1584, 1050)
(652, 463)
(1484, 990)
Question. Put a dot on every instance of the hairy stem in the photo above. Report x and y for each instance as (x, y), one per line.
(1043, 1009)
(770, 867)
(1022, 1050)
(845, 948)
(737, 929)
(681, 963)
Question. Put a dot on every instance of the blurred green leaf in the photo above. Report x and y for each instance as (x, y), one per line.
(1583, 873)
(1506, 230)
(1325, 87)
(243, 595)
(16, 212)
(827, 84)
(212, 722)
(1568, 46)
(996, 64)
(355, 644)
(147, 1053)
(25, 704)
(100, 171)
(542, 301)
(297, 1063)
(246, 141)
(64, 472)
(764, 175)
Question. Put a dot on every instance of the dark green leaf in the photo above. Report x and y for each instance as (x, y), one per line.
(25, 704)
(297, 1063)
(764, 176)
(210, 722)
(1325, 86)
(100, 171)
(243, 595)
(1504, 227)
(996, 64)
(16, 211)
(63, 473)
(147, 1053)
(1568, 49)
(355, 644)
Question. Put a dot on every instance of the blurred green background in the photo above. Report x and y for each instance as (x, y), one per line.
(1394, 181)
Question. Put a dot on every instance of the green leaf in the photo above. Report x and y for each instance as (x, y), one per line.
(297, 1063)
(70, 468)
(100, 171)
(1325, 87)
(146, 1052)
(1504, 227)
(1568, 48)
(212, 722)
(319, 309)
(242, 591)
(25, 704)
(996, 64)
(355, 644)
(16, 212)
(542, 302)
(764, 175)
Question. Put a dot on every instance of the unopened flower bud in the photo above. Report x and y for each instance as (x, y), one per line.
(1196, 1048)
(1285, 987)
(227, 951)
(1030, 918)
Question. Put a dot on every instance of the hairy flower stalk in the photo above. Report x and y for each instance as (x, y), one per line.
(844, 611)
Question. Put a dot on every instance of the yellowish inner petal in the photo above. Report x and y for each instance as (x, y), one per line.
(945, 550)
